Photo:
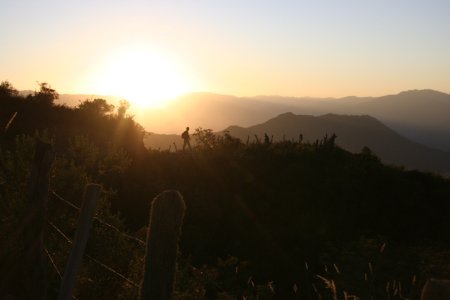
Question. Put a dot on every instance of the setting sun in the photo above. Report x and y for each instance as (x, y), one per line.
(146, 78)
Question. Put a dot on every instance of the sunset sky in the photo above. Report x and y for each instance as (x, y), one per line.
(244, 48)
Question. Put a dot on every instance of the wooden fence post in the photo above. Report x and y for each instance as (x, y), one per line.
(23, 269)
(91, 194)
(166, 218)
(35, 261)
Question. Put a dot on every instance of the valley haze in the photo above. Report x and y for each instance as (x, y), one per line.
(420, 115)
(411, 128)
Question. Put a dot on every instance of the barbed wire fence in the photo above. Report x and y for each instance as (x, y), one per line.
(98, 219)
(28, 276)
(100, 222)
(56, 269)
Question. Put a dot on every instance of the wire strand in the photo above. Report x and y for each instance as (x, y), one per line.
(56, 270)
(60, 232)
(65, 201)
(113, 271)
(139, 241)
(53, 263)
(94, 259)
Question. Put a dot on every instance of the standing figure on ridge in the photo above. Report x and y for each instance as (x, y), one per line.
(185, 136)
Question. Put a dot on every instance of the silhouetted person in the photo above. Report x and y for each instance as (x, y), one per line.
(186, 138)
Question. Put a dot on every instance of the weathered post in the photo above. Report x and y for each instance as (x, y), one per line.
(34, 231)
(166, 218)
(91, 194)
(25, 273)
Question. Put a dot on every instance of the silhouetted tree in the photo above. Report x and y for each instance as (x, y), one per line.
(205, 138)
(124, 105)
(98, 107)
(7, 90)
(45, 96)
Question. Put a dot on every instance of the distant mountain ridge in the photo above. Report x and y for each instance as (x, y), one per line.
(353, 133)
(73, 100)
(355, 130)
(420, 115)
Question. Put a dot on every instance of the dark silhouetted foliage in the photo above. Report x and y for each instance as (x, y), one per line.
(280, 212)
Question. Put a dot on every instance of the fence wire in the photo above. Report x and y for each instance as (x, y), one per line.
(52, 261)
(103, 265)
(99, 220)
(131, 282)
(65, 201)
(130, 237)
(57, 271)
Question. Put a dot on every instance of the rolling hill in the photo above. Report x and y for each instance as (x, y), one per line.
(423, 116)
(354, 133)
(420, 115)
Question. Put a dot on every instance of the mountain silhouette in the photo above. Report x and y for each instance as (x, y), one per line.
(353, 133)
(209, 110)
(420, 115)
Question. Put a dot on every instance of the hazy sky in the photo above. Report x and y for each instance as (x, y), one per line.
(291, 48)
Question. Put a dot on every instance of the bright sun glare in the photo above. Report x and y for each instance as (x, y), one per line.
(144, 77)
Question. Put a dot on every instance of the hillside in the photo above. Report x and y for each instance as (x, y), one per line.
(162, 141)
(208, 110)
(261, 217)
(421, 115)
(279, 205)
(354, 133)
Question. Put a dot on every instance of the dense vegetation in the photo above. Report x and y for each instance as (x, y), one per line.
(278, 220)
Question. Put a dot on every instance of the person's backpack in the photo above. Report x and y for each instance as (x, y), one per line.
(184, 135)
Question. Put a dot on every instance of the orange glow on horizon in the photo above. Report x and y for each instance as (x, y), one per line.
(143, 76)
